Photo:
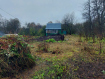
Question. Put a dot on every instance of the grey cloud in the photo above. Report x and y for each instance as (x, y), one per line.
(41, 11)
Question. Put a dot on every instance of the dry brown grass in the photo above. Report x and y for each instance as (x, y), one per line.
(66, 48)
(80, 52)
(71, 48)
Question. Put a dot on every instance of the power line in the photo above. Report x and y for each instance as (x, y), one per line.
(7, 12)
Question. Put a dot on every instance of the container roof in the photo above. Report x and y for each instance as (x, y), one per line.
(1, 33)
(53, 26)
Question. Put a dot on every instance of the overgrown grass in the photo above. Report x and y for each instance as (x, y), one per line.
(55, 69)
(78, 60)
(51, 40)
(15, 55)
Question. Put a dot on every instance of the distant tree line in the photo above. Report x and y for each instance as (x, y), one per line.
(14, 26)
(9, 26)
(32, 29)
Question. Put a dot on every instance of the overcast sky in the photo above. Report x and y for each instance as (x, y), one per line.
(41, 11)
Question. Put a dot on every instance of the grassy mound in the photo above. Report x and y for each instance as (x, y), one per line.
(43, 47)
(15, 56)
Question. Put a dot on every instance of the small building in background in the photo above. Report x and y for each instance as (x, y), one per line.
(54, 29)
(1, 33)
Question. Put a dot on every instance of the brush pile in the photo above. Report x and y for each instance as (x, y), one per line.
(15, 56)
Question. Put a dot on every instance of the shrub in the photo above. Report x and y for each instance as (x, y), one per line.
(51, 40)
(55, 71)
(60, 41)
(43, 47)
(15, 55)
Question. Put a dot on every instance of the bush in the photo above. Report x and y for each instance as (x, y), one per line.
(15, 55)
(55, 71)
(51, 40)
(43, 47)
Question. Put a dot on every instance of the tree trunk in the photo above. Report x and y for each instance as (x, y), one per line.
(100, 48)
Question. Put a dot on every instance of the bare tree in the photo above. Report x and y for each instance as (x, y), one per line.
(89, 16)
(50, 22)
(57, 21)
(95, 15)
(3, 24)
(68, 22)
(99, 17)
(80, 30)
(99, 14)
(13, 25)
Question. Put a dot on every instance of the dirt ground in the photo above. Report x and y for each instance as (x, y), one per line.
(57, 38)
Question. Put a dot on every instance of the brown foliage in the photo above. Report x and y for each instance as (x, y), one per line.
(15, 56)
(89, 50)
(43, 47)
(57, 51)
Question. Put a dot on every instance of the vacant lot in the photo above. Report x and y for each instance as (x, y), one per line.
(68, 59)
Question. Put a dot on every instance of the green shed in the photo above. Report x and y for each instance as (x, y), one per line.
(53, 29)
